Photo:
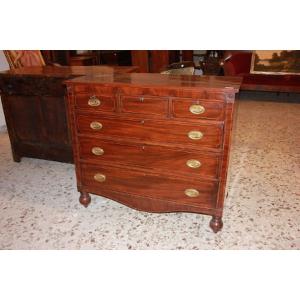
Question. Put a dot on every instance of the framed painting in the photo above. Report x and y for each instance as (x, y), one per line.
(275, 62)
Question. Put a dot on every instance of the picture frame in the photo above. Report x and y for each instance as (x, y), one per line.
(280, 62)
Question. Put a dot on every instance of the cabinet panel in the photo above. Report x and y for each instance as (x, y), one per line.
(25, 112)
(55, 120)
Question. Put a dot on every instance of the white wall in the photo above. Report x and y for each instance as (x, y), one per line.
(3, 66)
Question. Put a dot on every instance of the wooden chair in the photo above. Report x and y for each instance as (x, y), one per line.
(24, 58)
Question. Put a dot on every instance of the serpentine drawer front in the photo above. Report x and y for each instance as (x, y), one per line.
(154, 142)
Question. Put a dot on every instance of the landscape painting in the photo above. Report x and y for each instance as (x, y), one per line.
(275, 62)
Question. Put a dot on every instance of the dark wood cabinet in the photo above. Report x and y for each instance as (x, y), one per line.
(154, 61)
(35, 110)
(154, 142)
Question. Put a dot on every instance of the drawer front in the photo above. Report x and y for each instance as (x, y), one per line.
(193, 164)
(144, 105)
(198, 109)
(85, 88)
(82, 88)
(152, 131)
(202, 193)
(95, 102)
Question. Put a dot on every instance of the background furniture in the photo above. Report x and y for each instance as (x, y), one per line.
(24, 58)
(82, 60)
(237, 63)
(154, 142)
(33, 100)
(89, 57)
(153, 61)
(182, 68)
(61, 57)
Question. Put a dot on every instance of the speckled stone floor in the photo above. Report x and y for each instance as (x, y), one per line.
(39, 206)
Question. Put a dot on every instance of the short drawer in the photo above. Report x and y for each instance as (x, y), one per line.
(88, 88)
(144, 105)
(198, 109)
(167, 160)
(95, 102)
(152, 131)
(82, 88)
(145, 184)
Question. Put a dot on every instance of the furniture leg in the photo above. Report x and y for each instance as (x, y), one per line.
(16, 157)
(216, 224)
(85, 199)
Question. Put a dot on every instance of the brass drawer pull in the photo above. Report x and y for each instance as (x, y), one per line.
(197, 109)
(97, 151)
(96, 125)
(195, 135)
(94, 101)
(193, 163)
(100, 177)
(192, 193)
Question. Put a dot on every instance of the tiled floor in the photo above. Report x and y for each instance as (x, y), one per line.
(39, 206)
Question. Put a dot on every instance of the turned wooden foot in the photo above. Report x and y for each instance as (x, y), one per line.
(16, 157)
(85, 199)
(216, 224)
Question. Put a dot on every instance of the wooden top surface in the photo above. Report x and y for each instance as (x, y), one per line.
(162, 81)
(67, 71)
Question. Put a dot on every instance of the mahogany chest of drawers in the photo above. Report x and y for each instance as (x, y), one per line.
(158, 143)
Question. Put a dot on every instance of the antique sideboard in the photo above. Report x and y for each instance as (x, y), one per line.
(158, 143)
(33, 100)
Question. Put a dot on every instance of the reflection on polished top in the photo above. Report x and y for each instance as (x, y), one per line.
(67, 71)
(162, 80)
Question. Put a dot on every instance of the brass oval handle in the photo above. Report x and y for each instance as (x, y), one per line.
(197, 109)
(96, 125)
(192, 193)
(100, 177)
(97, 151)
(195, 135)
(193, 163)
(94, 101)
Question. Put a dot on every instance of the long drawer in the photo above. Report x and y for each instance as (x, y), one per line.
(145, 184)
(168, 160)
(191, 134)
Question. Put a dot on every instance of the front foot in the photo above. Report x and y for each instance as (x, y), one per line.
(216, 224)
(85, 199)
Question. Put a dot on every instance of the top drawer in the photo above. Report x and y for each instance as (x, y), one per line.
(144, 105)
(197, 109)
(95, 102)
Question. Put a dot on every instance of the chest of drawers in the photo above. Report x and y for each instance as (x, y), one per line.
(158, 143)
